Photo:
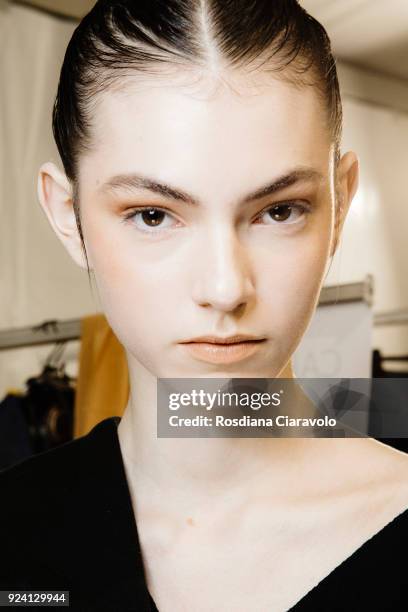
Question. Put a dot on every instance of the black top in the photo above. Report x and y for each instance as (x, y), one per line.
(67, 523)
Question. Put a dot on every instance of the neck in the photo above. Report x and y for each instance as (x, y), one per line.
(195, 470)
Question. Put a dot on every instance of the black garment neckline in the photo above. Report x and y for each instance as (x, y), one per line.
(111, 424)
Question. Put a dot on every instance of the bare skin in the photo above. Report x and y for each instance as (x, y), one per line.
(264, 545)
(271, 516)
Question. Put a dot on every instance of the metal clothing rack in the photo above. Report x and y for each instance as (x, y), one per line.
(50, 332)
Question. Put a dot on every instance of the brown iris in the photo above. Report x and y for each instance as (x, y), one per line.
(281, 212)
(150, 216)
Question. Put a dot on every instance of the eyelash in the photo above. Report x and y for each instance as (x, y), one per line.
(304, 209)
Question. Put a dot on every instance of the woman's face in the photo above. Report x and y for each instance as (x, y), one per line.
(216, 256)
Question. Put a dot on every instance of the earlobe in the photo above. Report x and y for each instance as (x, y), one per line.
(55, 197)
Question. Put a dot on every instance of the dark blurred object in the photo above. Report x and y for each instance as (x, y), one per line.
(15, 441)
(49, 403)
(42, 418)
(379, 371)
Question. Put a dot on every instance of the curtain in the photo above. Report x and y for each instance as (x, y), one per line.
(38, 279)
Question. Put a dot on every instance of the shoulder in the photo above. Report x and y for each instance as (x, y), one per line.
(388, 464)
(40, 491)
(55, 469)
(379, 493)
(378, 473)
(42, 470)
(66, 523)
(52, 504)
(367, 462)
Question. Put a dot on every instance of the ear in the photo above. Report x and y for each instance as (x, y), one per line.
(346, 187)
(56, 199)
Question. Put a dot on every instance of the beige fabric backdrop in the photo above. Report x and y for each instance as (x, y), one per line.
(38, 281)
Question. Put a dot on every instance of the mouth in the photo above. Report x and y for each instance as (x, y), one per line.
(222, 352)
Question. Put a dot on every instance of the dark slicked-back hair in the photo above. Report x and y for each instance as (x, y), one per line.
(117, 39)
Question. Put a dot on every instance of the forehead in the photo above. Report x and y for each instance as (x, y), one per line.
(190, 129)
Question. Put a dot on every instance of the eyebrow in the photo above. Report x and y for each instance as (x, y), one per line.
(137, 181)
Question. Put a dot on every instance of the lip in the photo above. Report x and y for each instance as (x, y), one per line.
(227, 352)
(224, 340)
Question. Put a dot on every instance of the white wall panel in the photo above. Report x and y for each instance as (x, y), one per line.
(375, 236)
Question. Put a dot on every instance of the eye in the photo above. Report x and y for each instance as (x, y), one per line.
(284, 213)
(148, 217)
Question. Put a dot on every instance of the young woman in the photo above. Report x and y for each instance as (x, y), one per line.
(204, 187)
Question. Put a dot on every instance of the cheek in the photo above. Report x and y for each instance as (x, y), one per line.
(135, 287)
(290, 282)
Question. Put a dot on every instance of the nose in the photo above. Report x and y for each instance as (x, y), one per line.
(223, 277)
